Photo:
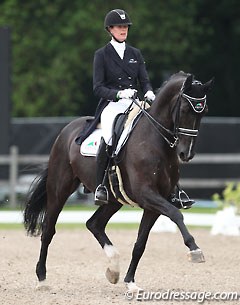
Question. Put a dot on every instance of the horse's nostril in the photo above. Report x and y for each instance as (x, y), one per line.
(182, 156)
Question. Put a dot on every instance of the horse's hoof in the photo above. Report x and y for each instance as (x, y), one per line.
(112, 276)
(133, 288)
(196, 256)
(42, 286)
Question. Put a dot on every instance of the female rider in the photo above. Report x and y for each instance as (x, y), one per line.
(118, 71)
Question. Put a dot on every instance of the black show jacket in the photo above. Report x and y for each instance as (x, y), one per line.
(111, 73)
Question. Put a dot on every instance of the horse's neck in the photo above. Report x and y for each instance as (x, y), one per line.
(162, 108)
(161, 111)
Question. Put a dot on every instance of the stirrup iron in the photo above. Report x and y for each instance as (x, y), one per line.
(184, 199)
(98, 200)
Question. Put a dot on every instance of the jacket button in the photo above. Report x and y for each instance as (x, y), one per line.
(130, 85)
(119, 86)
(129, 77)
(119, 78)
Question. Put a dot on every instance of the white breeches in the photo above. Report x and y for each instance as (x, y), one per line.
(108, 115)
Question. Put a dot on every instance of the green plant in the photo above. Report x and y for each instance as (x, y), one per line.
(229, 197)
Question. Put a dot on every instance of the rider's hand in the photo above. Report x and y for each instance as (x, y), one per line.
(149, 96)
(126, 93)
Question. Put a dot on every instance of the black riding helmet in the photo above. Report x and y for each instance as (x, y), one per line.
(116, 17)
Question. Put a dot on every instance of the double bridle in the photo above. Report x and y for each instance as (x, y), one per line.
(198, 105)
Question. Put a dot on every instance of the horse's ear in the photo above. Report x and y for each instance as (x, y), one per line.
(208, 85)
(188, 83)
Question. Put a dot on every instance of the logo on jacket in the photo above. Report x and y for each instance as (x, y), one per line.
(132, 61)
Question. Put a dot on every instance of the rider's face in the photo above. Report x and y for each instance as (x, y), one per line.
(120, 32)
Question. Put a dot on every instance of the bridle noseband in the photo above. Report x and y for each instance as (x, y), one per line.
(197, 104)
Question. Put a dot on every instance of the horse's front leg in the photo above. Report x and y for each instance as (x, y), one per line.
(195, 254)
(154, 202)
(148, 220)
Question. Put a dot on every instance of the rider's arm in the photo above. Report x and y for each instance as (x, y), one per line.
(100, 88)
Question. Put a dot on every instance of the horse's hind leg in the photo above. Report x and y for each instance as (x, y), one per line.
(148, 220)
(97, 224)
(58, 191)
(46, 238)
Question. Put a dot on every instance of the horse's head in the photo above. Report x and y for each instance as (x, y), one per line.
(191, 106)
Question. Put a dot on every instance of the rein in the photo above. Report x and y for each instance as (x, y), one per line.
(198, 105)
(157, 125)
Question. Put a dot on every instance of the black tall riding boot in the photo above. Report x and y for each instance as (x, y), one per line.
(101, 192)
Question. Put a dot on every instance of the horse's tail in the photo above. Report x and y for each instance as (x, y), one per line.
(35, 206)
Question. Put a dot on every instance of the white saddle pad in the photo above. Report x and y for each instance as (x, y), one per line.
(90, 145)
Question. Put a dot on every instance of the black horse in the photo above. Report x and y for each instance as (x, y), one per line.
(149, 166)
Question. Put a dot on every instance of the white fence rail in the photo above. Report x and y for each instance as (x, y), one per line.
(14, 160)
(212, 182)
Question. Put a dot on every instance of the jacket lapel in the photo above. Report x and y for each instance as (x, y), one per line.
(122, 63)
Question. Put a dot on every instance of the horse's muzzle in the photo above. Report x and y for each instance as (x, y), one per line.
(186, 156)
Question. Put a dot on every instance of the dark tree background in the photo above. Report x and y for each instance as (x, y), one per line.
(53, 43)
